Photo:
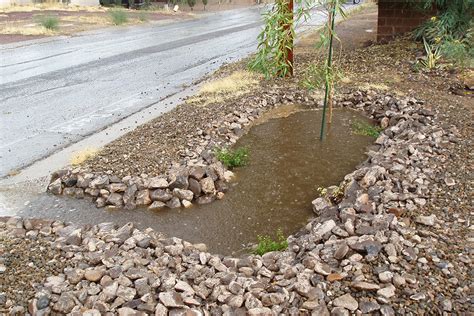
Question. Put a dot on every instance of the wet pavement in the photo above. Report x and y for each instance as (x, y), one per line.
(287, 165)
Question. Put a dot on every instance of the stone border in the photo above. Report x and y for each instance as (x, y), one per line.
(356, 256)
(199, 178)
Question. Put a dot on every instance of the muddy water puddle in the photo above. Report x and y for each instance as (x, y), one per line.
(287, 165)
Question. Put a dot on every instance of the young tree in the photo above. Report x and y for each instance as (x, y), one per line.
(204, 2)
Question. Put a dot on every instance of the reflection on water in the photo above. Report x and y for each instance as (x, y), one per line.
(287, 165)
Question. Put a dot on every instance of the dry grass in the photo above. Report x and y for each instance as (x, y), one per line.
(24, 30)
(81, 156)
(234, 85)
(92, 19)
(49, 6)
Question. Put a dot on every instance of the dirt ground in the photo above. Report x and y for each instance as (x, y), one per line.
(23, 23)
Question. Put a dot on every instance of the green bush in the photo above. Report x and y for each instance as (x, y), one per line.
(366, 129)
(458, 52)
(267, 244)
(118, 16)
(204, 2)
(233, 158)
(49, 22)
(191, 4)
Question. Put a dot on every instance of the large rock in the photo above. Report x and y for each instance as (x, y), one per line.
(183, 194)
(143, 198)
(157, 183)
(319, 205)
(207, 185)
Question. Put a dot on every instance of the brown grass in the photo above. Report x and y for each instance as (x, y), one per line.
(81, 156)
(219, 90)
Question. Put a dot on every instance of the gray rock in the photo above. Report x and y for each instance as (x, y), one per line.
(183, 194)
(320, 204)
(387, 291)
(65, 303)
(171, 299)
(160, 195)
(341, 251)
(366, 306)
(173, 203)
(180, 182)
(156, 206)
(115, 199)
(346, 301)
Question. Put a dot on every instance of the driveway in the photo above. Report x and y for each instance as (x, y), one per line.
(57, 92)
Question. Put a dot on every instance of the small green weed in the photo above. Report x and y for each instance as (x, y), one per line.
(49, 22)
(366, 129)
(233, 158)
(118, 16)
(267, 244)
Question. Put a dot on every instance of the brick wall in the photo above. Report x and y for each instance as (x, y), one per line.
(397, 17)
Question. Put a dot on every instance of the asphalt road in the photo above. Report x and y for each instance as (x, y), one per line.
(57, 92)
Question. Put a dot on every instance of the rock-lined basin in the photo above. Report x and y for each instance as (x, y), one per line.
(287, 164)
(360, 255)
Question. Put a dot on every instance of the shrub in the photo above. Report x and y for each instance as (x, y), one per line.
(204, 2)
(267, 244)
(233, 158)
(366, 129)
(49, 22)
(191, 3)
(458, 52)
(118, 16)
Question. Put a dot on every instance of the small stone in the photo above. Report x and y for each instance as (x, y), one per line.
(93, 275)
(447, 305)
(385, 276)
(334, 277)
(387, 310)
(365, 286)
(387, 292)
(42, 302)
(341, 251)
(186, 203)
(171, 299)
(426, 220)
(346, 301)
(368, 306)
(418, 297)
(449, 182)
